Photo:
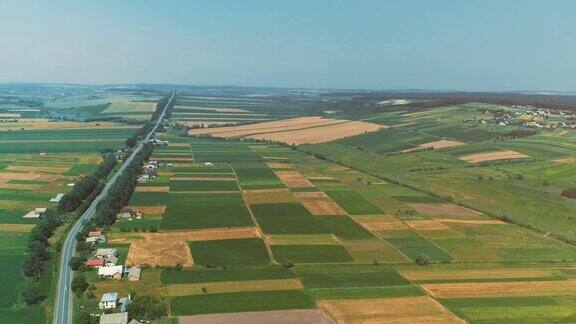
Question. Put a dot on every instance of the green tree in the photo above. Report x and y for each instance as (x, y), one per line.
(79, 284)
(30, 293)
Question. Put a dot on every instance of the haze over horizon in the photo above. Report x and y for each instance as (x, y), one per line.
(439, 45)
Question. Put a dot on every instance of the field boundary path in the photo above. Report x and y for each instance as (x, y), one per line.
(63, 307)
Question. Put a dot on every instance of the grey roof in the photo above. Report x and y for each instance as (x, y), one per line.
(108, 297)
(115, 318)
(134, 272)
(105, 252)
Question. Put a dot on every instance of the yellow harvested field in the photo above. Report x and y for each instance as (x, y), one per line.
(233, 286)
(273, 126)
(471, 221)
(436, 145)
(443, 209)
(190, 235)
(323, 207)
(22, 228)
(489, 273)
(501, 289)
(300, 239)
(293, 179)
(383, 226)
(388, 310)
(492, 156)
(152, 189)
(318, 203)
(570, 160)
(267, 196)
(426, 225)
(322, 134)
(159, 253)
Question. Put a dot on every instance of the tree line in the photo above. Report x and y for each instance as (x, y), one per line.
(122, 190)
(86, 186)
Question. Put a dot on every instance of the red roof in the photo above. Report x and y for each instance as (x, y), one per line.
(95, 262)
(94, 233)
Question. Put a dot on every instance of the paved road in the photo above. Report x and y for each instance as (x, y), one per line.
(63, 307)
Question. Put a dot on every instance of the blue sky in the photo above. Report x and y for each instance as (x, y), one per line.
(388, 44)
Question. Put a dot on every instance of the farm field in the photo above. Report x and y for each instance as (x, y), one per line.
(266, 227)
(201, 111)
(29, 181)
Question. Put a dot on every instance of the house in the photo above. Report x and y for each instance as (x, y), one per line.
(71, 184)
(57, 198)
(108, 300)
(36, 213)
(127, 213)
(111, 261)
(208, 164)
(105, 253)
(134, 274)
(114, 272)
(114, 318)
(100, 239)
(95, 262)
(124, 302)
(143, 178)
(94, 233)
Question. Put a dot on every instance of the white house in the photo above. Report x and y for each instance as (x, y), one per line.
(36, 213)
(114, 318)
(108, 300)
(57, 198)
(208, 164)
(111, 272)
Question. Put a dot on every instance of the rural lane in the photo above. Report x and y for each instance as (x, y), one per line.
(64, 300)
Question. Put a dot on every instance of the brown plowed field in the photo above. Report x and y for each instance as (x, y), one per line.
(293, 179)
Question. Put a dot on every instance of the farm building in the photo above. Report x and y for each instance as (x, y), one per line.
(94, 233)
(127, 213)
(108, 300)
(134, 274)
(114, 272)
(105, 253)
(208, 164)
(57, 198)
(36, 213)
(95, 237)
(95, 263)
(114, 318)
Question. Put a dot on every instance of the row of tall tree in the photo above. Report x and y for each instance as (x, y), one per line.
(37, 254)
(83, 188)
(120, 193)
